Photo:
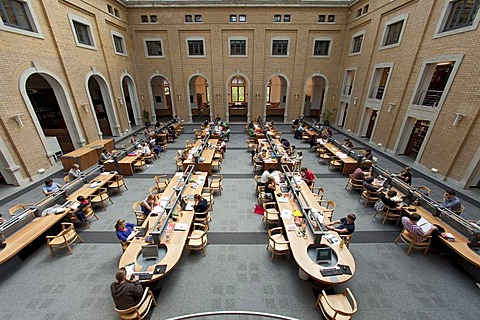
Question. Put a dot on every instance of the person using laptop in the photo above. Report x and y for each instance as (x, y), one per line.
(126, 293)
(50, 187)
(148, 204)
(123, 229)
(80, 212)
(201, 204)
(74, 172)
(347, 225)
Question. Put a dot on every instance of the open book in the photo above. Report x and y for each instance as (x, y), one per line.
(424, 224)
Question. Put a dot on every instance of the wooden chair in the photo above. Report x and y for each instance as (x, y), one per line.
(149, 158)
(118, 183)
(66, 179)
(337, 306)
(257, 166)
(155, 191)
(207, 194)
(328, 207)
(353, 184)
(305, 138)
(297, 165)
(459, 212)
(203, 217)
(369, 196)
(141, 309)
(318, 193)
(324, 157)
(198, 133)
(189, 144)
(346, 239)
(277, 243)
(251, 144)
(19, 207)
(412, 243)
(89, 213)
(422, 189)
(179, 163)
(262, 197)
(139, 164)
(67, 236)
(124, 245)
(335, 163)
(217, 164)
(139, 215)
(162, 181)
(271, 214)
(216, 183)
(391, 214)
(100, 198)
(197, 240)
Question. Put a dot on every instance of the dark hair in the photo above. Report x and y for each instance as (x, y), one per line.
(451, 192)
(392, 193)
(415, 216)
(80, 198)
(369, 180)
(119, 222)
(270, 170)
(120, 274)
(48, 181)
(197, 196)
(364, 168)
(352, 216)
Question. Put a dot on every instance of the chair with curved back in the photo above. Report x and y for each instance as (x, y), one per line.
(140, 164)
(277, 243)
(337, 306)
(203, 217)
(323, 157)
(271, 214)
(422, 189)
(118, 183)
(67, 236)
(391, 214)
(217, 164)
(155, 191)
(139, 215)
(100, 198)
(369, 196)
(179, 163)
(412, 243)
(89, 213)
(197, 240)
(216, 182)
(335, 163)
(353, 184)
(346, 239)
(66, 179)
(140, 310)
(328, 207)
(318, 193)
(459, 212)
(162, 181)
(18, 207)
(207, 193)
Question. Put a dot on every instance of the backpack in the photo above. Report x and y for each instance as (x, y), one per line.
(379, 205)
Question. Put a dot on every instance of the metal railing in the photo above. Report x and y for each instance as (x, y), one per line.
(347, 90)
(377, 93)
(235, 314)
(429, 98)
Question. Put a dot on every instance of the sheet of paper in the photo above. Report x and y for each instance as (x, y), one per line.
(286, 214)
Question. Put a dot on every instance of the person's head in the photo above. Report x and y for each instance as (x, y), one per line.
(347, 140)
(270, 170)
(450, 194)
(407, 169)
(150, 197)
(121, 274)
(303, 169)
(80, 198)
(105, 150)
(391, 193)
(415, 217)
(368, 151)
(369, 180)
(48, 182)
(271, 179)
(300, 153)
(134, 135)
(197, 197)
(75, 166)
(120, 224)
(364, 168)
(351, 217)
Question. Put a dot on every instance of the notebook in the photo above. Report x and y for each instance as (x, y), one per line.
(180, 227)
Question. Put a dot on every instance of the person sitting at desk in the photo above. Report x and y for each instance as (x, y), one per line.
(368, 155)
(50, 187)
(74, 172)
(285, 143)
(347, 225)
(104, 156)
(307, 176)
(416, 232)
(261, 155)
(201, 204)
(405, 175)
(80, 212)
(361, 173)
(148, 204)
(271, 187)
(134, 139)
(347, 143)
(368, 185)
(126, 293)
(298, 157)
(265, 175)
(389, 202)
(451, 201)
(299, 132)
(123, 229)
(329, 132)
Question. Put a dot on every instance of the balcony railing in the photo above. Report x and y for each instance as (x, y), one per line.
(429, 98)
(347, 90)
(377, 93)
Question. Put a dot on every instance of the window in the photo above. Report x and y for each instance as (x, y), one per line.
(110, 9)
(365, 9)
(461, 14)
(233, 18)
(119, 43)
(238, 47)
(331, 18)
(144, 19)
(279, 47)
(198, 18)
(286, 18)
(188, 18)
(359, 12)
(277, 18)
(195, 48)
(357, 42)
(321, 18)
(321, 47)
(82, 31)
(237, 89)
(18, 16)
(153, 19)
(116, 13)
(242, 18)
(392, 35)
(153, 48)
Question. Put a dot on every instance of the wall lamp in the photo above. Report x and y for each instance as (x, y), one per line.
(85, 107)
(458, 117)
(296, 96)
(179, 96)
(391, 105)
(355, 101)
(18, 117)
(218, 95)
(257, 96)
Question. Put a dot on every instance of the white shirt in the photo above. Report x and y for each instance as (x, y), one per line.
(265, 176)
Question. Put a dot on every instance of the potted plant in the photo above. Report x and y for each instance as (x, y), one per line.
(146, 117)
(326, 116)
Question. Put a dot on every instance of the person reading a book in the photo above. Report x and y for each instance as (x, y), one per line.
(201, 204)
(417, 232)
(148, 204)
(347, 225)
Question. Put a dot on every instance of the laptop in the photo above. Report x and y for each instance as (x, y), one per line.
(142, 231)
(150, 252)
(186, 206)
(323, 256)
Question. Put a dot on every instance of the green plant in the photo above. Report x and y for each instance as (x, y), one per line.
(327, 114)
(146, 116)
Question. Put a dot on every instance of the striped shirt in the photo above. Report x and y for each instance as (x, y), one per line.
(416, 232)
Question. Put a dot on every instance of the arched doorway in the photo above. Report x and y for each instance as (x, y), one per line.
(162, 100)
(276, 98)
(199, 99)
(237, 99)
(102, 106)
(131, 101)
(314, 99)
(49, 110)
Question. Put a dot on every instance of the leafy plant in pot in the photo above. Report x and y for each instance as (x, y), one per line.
(146, 117)
(327, 114)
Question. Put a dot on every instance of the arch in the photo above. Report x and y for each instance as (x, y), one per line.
(9, 170)
(64, 102)
(108, 102)
(317, 98)
(152, 98)
(283, 94)
(247, 94)
(190, 90)
(133, 99)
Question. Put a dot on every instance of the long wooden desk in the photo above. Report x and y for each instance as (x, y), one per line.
(86, 156)
(86, 190)
(270, 162)
(349, 164)
(207, 154)
(125, 165)
(299, 246)
(177, 241)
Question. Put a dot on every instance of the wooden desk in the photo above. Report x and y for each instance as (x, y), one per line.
(207, 154)
(349, 164)
(268, 162)
(87, 191)
(125, 165)
(177, 241)
(299, 245)
(86, 156)
(99, 145)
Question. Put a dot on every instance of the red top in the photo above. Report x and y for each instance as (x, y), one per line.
(309, 175)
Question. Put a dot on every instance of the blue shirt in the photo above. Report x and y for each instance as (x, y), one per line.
(123, 234)
(350, 227)
(54, 187)
(452, 204)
